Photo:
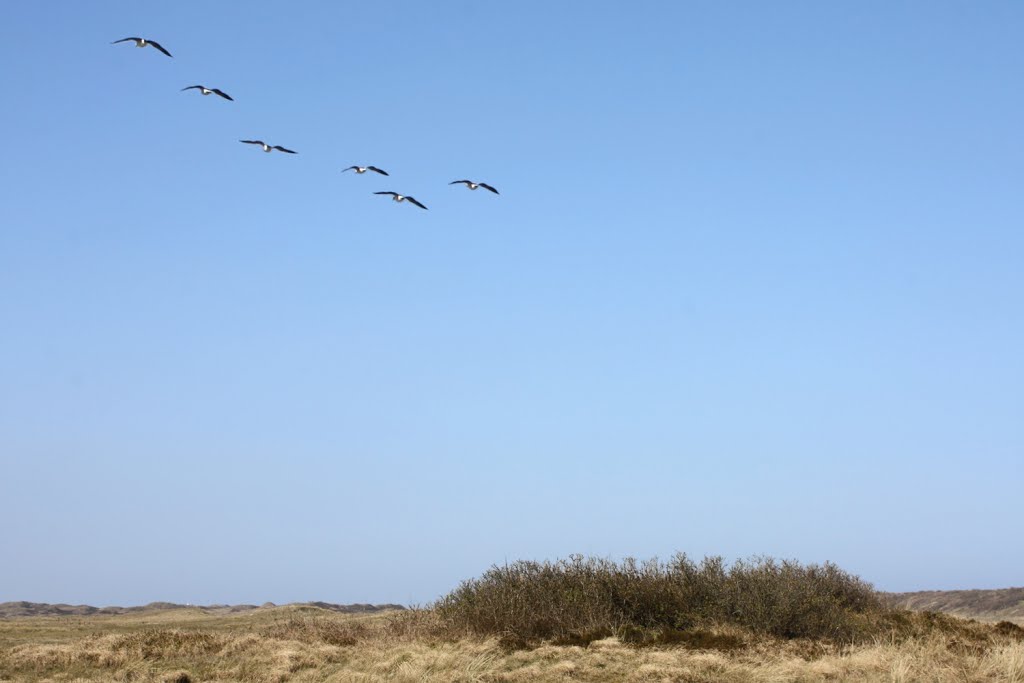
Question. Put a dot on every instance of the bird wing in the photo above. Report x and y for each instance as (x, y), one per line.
(224, 94)
(455, 182)
(192, 87)
(253, 142)
(488, 187)
(393, 194)
(283, 149)
(374, 168)
(125, 40)
(412, 200)
(159, 47)
(350, 168)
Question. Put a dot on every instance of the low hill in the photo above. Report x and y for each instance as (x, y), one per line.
(10, 610)
(1004, 604)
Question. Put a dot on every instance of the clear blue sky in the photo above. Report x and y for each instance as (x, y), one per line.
(754, 284)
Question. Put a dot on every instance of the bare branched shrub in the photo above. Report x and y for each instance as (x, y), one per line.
(792, 601)
(578, 600)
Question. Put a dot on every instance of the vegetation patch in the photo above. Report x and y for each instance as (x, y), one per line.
(580, 599)
(693, 639)
(1008, 628)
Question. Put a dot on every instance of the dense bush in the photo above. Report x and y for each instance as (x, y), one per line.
(582, 599)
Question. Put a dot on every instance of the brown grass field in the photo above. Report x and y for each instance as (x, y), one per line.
(310, 644)
(573, 620)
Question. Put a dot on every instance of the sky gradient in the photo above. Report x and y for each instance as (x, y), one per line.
(753, 285)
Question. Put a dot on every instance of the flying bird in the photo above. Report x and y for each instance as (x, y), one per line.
(401, 198)
(364, 169)
(207, 91)
(266, 147)
(143, 42)
(471, 185)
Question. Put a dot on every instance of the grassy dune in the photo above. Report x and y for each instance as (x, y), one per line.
(582, 620)
(1005, 604)
(309, 644)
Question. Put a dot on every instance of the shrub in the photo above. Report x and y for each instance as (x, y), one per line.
(792, 601)
(579, 599)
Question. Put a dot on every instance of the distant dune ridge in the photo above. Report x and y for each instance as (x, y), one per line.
(10, 610)
(1003, 604)
(985, 605)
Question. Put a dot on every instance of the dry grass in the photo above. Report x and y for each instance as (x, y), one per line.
(307, 644)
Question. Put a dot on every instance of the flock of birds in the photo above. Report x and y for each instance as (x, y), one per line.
(146, 42)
